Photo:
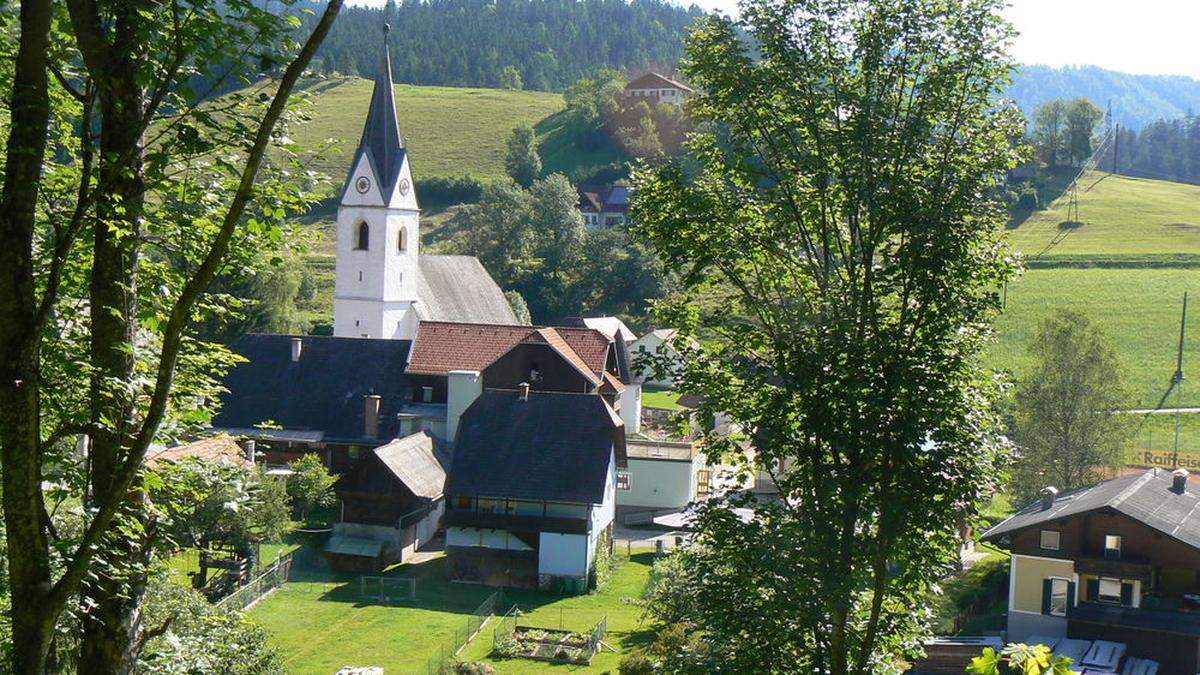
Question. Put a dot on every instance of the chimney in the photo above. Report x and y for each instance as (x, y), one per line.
(248, 446)
(371, 415)
(1179, 478)
(462, 388)
(297, 347)
(523, 388)
(1048, 495)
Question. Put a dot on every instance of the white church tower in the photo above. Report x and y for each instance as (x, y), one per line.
(378, 229)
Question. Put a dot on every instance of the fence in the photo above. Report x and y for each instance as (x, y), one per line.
(598, 634)
(449, 650)
(387, 589)
(269, 580)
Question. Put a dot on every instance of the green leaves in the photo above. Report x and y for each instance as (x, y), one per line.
(1019, 659)
(838, 238)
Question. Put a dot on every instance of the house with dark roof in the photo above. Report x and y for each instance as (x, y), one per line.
(339, 397)
(604, 205)
(1118, 561)
(389, 503)
(384, 286)
(531, 493)
(659, 88)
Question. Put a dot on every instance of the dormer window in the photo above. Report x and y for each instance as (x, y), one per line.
(363, 242)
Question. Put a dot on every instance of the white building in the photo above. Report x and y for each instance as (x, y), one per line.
(384, 286)
(659, 88)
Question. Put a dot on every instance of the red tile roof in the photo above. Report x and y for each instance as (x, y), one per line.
(440, 347)
(590, 344)
(611, 382)
(214, 449)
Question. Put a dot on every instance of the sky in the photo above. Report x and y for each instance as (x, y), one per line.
(1157, 37)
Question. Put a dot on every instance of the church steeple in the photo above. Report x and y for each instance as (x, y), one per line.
(381, 142)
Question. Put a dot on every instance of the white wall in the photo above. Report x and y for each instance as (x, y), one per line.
(631, 408)
(563, 554)
(650, 344)
(660, 483)
(602, 515)
(463, 387)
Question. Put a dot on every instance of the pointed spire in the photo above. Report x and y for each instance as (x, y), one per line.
(381, 134)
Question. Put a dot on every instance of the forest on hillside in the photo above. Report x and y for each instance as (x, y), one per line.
(514, 44)
(1137, 100)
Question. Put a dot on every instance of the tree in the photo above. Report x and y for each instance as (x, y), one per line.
(521, 161)
(1068, 426)
(519, 307)
(94, 250)
(510, 78)
(1082, 116)
(639, 137)
(1019, 659)
(837, 231)
(1049, 130)
(310, 485)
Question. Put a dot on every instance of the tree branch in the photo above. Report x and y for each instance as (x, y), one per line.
(180, 313)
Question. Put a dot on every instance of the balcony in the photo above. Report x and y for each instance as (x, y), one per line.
(503, 521)
(1161, 619)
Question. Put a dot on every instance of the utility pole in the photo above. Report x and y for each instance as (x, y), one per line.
(1116, 150)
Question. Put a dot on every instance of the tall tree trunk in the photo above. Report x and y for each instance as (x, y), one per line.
(112, 626)
(20, 446)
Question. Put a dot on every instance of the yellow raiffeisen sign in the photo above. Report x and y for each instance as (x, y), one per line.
(1165, 459)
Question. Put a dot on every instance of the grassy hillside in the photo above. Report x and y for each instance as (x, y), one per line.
(1126, 266)
(1138, 308)
(1121, 216)
(449, 131)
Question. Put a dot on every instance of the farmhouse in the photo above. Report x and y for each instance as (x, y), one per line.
(532, 489)
(389, 503)
(659, 88)
(656, 342)
(604, 205)
(1117, 561)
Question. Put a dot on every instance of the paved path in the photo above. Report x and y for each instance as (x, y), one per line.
(1160, 411)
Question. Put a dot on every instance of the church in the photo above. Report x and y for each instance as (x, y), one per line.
(384, 285)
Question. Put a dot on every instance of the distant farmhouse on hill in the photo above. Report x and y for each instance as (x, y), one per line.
(659, 88)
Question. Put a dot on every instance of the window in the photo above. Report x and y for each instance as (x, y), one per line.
(1050, 539)
(427, 394)
(1112, 546)
(364, 237)
(1109, 591)
(1056, 596)
(403, 240)
(622, 480)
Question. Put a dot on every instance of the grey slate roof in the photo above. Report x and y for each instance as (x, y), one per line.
(1146, 498)
(415, 461)
(553, 446)
(381, 140)
(457, 288)
(322, 392)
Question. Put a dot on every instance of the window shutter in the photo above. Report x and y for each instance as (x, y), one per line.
(1070, 594)
(1046, 586)
(1093, 590)
(1127, 594)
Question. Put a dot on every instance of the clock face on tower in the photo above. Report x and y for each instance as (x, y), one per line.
(362, 184)
(404, 186)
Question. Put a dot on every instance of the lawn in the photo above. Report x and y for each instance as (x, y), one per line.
(667, 400)
(319, 624)
(1120, 215)
(449, 131)
(1138, 308)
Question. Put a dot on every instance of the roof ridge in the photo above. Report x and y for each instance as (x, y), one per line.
(1131, 489)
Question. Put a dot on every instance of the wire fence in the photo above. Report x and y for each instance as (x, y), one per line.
(443, 660)
(274, 577)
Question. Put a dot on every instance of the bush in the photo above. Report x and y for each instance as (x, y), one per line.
(1027, 197)
(473, 668)
(442, 191)
(507, 648)
(636, 663)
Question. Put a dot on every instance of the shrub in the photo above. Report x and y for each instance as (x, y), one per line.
(443, 191)
(474, 668)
